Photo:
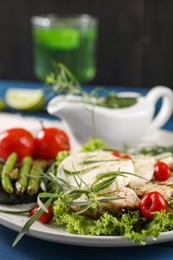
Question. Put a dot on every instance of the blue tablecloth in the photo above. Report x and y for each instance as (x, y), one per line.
(32, 248)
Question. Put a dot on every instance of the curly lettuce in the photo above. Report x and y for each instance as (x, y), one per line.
(61, 156)
(93, 144)
(130, 225)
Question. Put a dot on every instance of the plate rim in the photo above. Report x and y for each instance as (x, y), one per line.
(43, 232)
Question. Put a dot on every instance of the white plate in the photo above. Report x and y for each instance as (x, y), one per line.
(51, 232)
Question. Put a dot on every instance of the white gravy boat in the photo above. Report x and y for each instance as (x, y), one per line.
(117, 127)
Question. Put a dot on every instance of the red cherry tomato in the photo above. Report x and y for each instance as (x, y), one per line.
(16, 140)
(152, 202)
(120, 155)
(45, 217)
(49, 141)
(162, 171)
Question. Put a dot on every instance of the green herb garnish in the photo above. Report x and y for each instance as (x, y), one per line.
(155, 150)
(62, 81)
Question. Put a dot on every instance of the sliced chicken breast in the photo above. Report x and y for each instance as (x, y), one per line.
(165, 190)
(123, 200)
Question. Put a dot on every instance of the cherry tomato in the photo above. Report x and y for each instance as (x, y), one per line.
(152, 202)
(16, 140)
(120, 155)
(162, 171)
(49, 141)
(45, 217)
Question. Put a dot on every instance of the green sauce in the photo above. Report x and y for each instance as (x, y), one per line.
(114, 101)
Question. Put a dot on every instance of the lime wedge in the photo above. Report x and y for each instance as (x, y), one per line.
(2, 104)
(25, 99)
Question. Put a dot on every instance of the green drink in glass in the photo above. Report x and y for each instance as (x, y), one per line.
(69, 40)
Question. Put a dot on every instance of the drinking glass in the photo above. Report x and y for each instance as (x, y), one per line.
(70, 40)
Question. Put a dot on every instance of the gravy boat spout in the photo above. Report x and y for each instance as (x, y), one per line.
(118, 126)
(75, 114)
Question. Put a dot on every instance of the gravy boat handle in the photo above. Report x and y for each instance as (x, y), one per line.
(166, 109)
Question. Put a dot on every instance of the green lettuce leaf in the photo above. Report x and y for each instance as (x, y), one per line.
(61, 156)
(92, 145)
(130, 225)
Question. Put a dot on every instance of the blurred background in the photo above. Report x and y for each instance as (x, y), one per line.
(135, 39)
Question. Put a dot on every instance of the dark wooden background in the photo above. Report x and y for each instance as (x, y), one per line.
(135, 45)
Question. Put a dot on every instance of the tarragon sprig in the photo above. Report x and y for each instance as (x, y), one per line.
(62, 81)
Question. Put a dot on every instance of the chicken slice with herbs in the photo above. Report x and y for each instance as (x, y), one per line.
(122, 201)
